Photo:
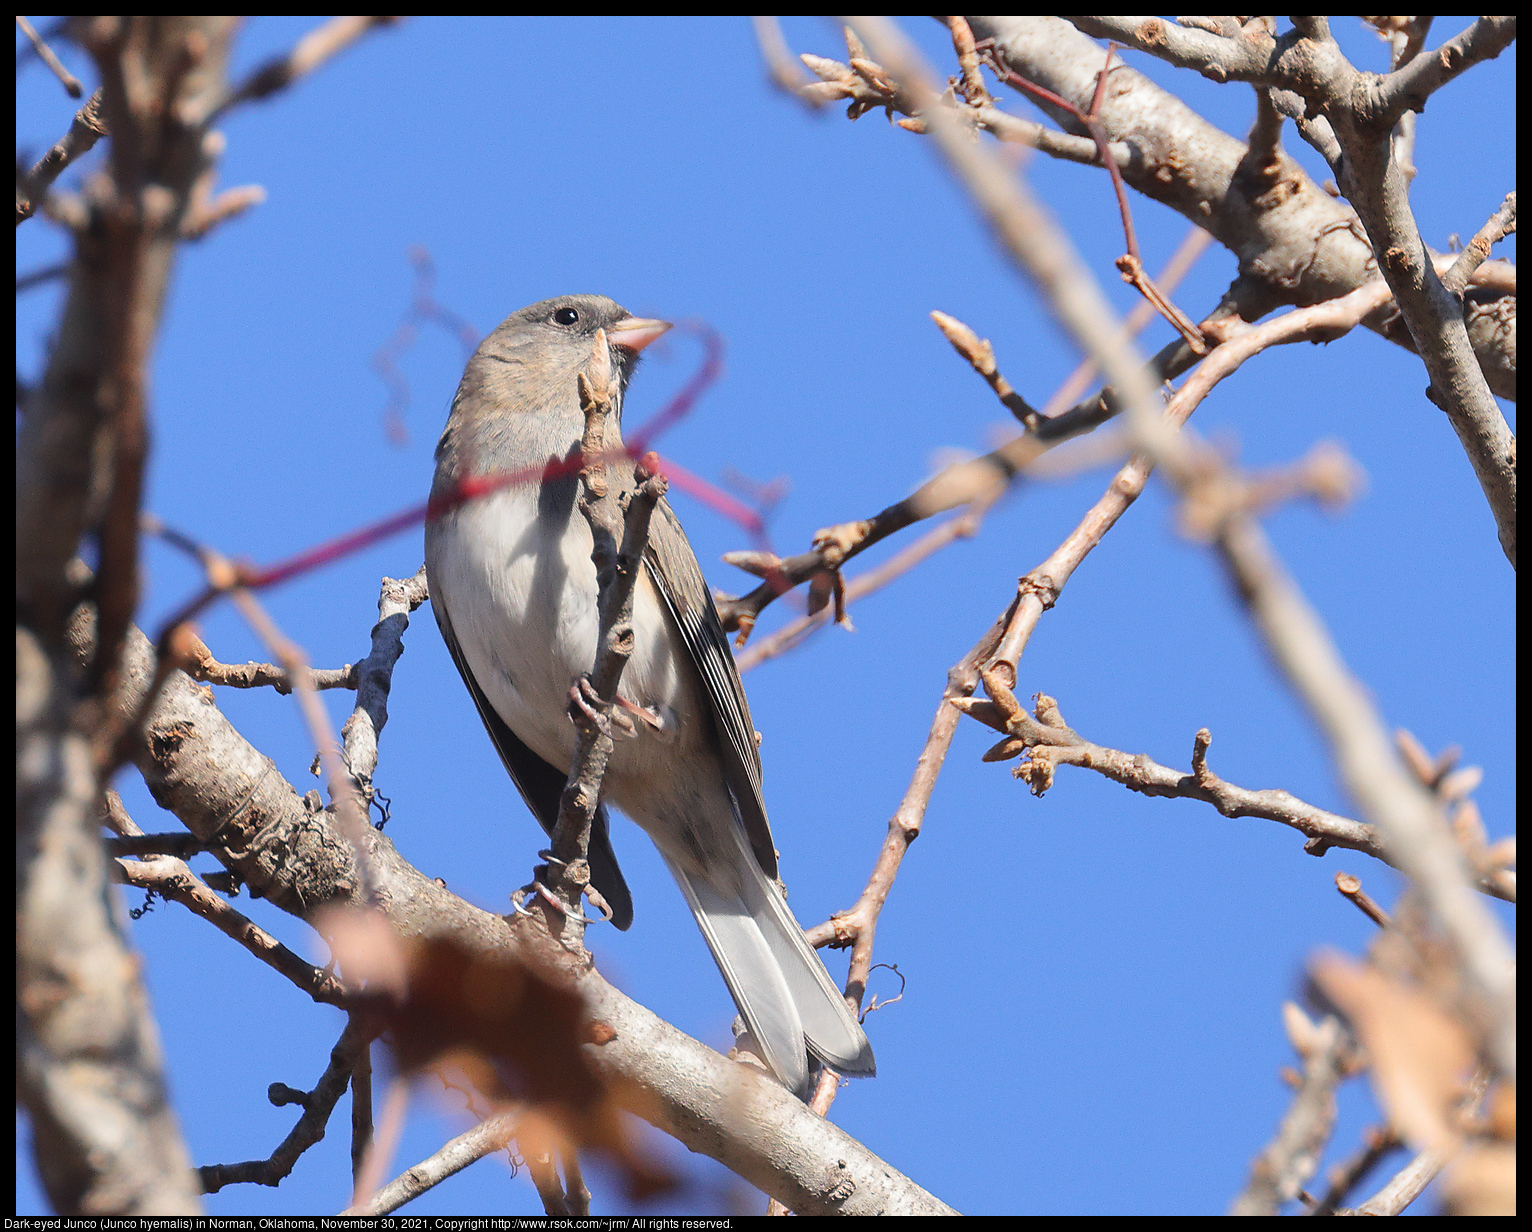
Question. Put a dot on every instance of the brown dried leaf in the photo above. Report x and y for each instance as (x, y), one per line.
(517, 1032)
(1420, 1056)
(369, 951)
(1501, 1114)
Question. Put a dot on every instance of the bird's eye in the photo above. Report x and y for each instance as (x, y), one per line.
(566, 316)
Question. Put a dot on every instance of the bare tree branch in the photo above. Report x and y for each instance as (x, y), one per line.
(1413, 831)
(1361, 111)
(88, 1060)
(1293, 1155)
(68, 80)
(312, 51)
(486, 1138)
(317, 1104)
(173, 880)
(255, 822)
(86, 129)
(1296, 245)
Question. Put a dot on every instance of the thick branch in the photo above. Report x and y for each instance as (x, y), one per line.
(1359, 113)
(90, 1076)
(224, 791)
(89, 1071)
(1295, 243)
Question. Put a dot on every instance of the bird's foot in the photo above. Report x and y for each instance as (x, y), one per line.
(586, 706)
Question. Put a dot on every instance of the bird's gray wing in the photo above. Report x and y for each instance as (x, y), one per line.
(676, 575)
(541, 784)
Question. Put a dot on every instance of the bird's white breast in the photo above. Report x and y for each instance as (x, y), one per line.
(520, 588)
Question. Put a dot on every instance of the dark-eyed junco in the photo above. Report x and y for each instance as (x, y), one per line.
(514, 592)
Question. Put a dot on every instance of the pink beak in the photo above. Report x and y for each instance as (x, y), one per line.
(635, 333)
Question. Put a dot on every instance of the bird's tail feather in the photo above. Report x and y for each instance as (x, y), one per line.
(782, 989)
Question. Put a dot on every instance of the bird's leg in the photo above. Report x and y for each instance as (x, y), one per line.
(644, 714)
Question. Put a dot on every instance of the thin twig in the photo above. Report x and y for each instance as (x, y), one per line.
(1413, 832)
(980, 353)
(550, 1189)
(204, 667)
(961, 526)
(381, 1149)
(1351, 887)
(617, 569)
(1500, 224)
(740, 613)
(1378, 1143)
(170, 878)
(576, 1191)
(310, 52)
(1048, 745)
(361, 1110)
(350, 808)
(318, 1105)
(87, 128)
(491, 1135)
(866, 92)
(781, 69)
(1350, 116)
(397, 599)
(1293, 1155)
(1410, 1181)
(1040, 588)
(857, 925)
(176, 649)
(70, 82)
(25, 282)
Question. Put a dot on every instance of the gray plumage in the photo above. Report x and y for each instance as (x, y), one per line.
(514, 592)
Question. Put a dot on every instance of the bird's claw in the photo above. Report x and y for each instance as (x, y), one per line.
(585, 701)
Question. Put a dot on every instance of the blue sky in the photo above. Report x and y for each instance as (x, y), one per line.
(1091, 1019)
